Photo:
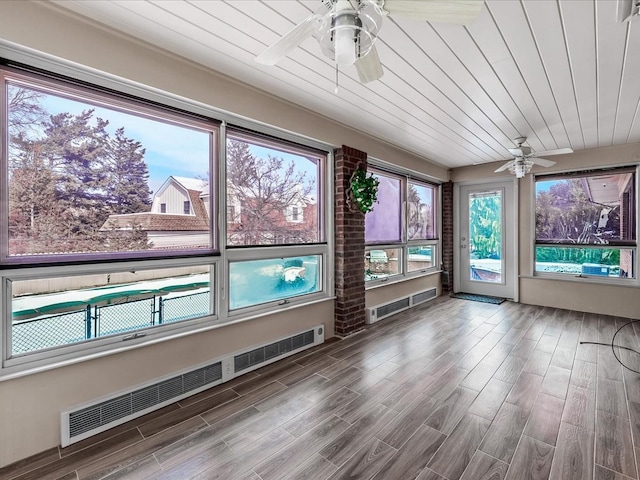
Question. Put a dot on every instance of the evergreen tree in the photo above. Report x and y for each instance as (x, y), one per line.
(127, 175)
(67, 175)
(485, 226)
(32, 191)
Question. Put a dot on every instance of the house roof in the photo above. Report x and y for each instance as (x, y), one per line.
(149, 221)
(155, 221)
(196, 184)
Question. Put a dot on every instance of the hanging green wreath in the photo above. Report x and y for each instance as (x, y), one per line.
(362, 191)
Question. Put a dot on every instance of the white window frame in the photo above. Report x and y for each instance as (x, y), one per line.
(322, 248)
(376, 166)
(118, 342)
(581, 278)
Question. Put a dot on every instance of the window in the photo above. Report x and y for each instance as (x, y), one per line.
(108, 226)
(93, 205)
(421, 215)
(586, 224)
(255, 282)
(65, 310)
(89, 173)
(277, 185)
(401, 241)
(268, 180)
(384, 224)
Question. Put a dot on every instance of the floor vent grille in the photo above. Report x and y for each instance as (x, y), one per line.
(83, 421)
(379, 312)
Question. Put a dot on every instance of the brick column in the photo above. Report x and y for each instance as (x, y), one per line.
(349, 247)
(447, 235)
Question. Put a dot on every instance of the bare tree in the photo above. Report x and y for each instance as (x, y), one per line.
(25, 111)
(266, 189)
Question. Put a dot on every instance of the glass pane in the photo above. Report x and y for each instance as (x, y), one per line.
(382, 263)
(485, 236)
(420, 258)
(272, 194)
(596, 209)
(63, 310)
(421, 212)
(88, 179)
(600, 262)
(254, 282)
(384, 223)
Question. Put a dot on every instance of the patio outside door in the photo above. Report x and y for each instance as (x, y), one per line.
(486, 239)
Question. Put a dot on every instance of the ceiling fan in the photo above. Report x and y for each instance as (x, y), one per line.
(524, 158)
(347, 29)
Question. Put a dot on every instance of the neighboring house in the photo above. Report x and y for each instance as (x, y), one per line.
(179, 215)
(249, 225)
(615, 193)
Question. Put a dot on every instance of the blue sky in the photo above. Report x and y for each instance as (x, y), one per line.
(170, 149)
(544, 186)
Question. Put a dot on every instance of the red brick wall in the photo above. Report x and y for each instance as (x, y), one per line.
(349, 247)
(447, 235)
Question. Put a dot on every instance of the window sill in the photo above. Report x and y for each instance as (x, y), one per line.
(399, 279)
(613, 282)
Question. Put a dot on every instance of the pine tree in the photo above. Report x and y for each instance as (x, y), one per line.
(127, 175)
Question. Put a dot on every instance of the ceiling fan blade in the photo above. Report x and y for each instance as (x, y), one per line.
(559, 151)
(543, 162)
(369, 67)
(459, 12)
(504, 167)
(289, 41)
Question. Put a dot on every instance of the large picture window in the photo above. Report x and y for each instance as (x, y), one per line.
(401, 231)
(94, 176)
(586, 224)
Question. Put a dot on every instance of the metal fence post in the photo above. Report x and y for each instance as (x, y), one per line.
(160, 310)
(87, 329)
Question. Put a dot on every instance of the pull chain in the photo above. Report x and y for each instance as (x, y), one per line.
(336, 90)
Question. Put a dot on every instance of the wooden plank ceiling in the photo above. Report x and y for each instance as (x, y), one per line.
(564, 73)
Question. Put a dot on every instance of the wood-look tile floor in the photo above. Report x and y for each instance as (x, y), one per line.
(449, 390)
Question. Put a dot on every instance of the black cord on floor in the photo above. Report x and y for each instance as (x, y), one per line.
(608, 345)
(613, 346)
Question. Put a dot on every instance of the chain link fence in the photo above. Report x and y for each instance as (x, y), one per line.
(184, 307)
(52, 331)
(99, 321)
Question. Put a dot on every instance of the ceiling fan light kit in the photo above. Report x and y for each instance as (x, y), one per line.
(347, 29)
(520, 168)
(349, 34)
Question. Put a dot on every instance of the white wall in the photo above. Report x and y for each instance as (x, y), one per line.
(30, 405)
(174, 197)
